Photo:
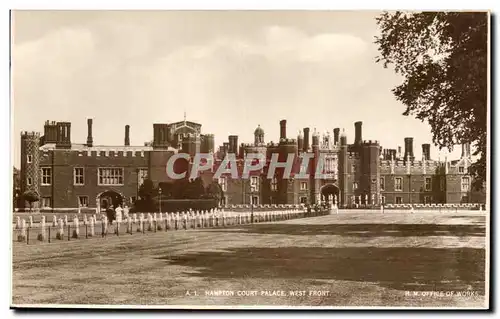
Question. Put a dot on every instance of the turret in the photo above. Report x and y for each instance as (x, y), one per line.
(336, 132)
(30, 162)
(258, 136)
(343, 138)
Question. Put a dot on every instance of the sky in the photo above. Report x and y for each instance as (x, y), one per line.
(227, 70)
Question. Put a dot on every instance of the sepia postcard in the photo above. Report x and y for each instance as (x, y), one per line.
(250, 159)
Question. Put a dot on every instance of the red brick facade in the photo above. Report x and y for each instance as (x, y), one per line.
(358, 173)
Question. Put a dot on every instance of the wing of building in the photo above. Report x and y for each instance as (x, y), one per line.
(68, 175)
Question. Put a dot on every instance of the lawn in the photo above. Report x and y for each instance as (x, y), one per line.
(352, 259)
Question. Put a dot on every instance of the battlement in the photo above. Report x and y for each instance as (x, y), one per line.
(272, 144)
(370, 143)
(414, 164)
(26, 134)
(47, 122)
(247, 145)
(288, 141)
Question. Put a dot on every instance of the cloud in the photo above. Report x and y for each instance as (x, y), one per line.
(283, 44)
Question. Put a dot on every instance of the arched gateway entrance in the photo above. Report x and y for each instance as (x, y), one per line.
(329, 190)
(108, 198)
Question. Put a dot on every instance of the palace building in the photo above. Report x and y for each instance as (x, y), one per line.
(68, 175)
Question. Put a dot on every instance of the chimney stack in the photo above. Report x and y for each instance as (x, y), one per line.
(409, 149)
(306, 139)
(336, 133)
(466, 149)
(90, 140)
(358, 137)
(300, 141)
(399, 152)
(127, 135)
(426, 151)
(233, 144)
(282, 129)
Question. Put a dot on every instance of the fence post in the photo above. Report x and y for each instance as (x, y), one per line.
(69, 230)
(92, 225)
(49, 232)
(76, 232)
(42, 236)
(28, 235)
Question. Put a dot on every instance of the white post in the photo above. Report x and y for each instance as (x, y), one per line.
(22, 234)
(150, 222)
(141, 223)
(60, 231)
(65, 220)
(18, 222)
(76, 231)
(92, 227)
(105, 224)
(41, 236)
(30, 221)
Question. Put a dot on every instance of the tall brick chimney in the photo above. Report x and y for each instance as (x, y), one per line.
(336, 133)
(466, 149)
(282, 129)
(426, 151)
(90, 140)
(306, 139)
(127, 135)
(233, 144)
(409, 149)
(358, 137)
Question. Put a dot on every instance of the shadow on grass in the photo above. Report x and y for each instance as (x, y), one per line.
(367, 230)
(423, 269)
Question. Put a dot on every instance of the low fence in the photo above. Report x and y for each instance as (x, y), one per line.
(86, 227)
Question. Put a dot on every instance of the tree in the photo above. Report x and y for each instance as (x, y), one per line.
(31, 197)
(442, 57)
(146, 190)
(196, 189)
(214, 190)
(146, 193)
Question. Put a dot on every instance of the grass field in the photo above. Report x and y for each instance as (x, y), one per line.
(354, 259)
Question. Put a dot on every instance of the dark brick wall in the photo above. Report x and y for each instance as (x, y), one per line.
(65, 194)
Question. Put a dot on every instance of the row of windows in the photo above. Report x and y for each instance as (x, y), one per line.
(398, 184)
(46, 202)
(114, 176)
(254, 184)
(105, 176)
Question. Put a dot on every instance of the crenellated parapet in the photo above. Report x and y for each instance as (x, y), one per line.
(288, 141)
(370, 143)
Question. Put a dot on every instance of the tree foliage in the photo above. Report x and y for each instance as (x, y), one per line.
(31, 197)
(147, 189)
(443, 58)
